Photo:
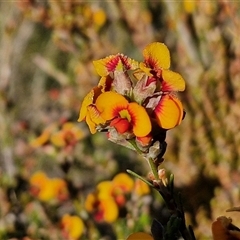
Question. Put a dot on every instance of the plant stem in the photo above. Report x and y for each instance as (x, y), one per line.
(153, 168)
(139, 177)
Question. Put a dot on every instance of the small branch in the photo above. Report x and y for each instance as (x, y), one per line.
(153, 168)
(139, 177)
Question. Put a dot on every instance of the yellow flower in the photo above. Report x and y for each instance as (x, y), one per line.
(121, 185)
(72, 227)
(125, 116)
(168, 110)
(37, 182)
(47, 189)
(59, 189)
(104, 189)
(157, 62)
(109, 195)
(69, 134)
(135, 100)
(124, 182)
(102, 206)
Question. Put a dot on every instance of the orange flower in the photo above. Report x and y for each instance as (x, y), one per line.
(109, 195)
(68, 135)
(47, 189)
(72, 227)
(135, 102)
(157, 62)
(102, 206)
(125, 116)
(168, 110)
(37, 181)
(59, 188)
(122, 184)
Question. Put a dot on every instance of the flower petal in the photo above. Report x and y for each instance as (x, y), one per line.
(169, 112)
(114, 62)
(89, 99)
(110, 103)
(172, 81)
(124, 182)
(106, 65)
(156, 55)
(140, 120)
(122, 125)
(90, 202)
(106, 83)
(104, 189)
(109, 209)
(93, 118)
(73, 226)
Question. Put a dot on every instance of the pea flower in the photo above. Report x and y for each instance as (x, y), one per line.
(48, 189)
(109, 196)
(103, 208)
(72, 227)
(135, 102)
(67, 136)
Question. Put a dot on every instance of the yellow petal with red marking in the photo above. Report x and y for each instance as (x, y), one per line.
(88, 100)
(93, 118)
(110, 103)
(156, 56)
(169, 112)
(172, 81)
(105, 82)
(140, 120)
(106, 65)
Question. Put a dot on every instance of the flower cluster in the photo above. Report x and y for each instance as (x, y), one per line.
(110, 196)
(48, 189)
(135, 102)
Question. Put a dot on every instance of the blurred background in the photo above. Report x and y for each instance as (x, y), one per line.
(46, 53)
